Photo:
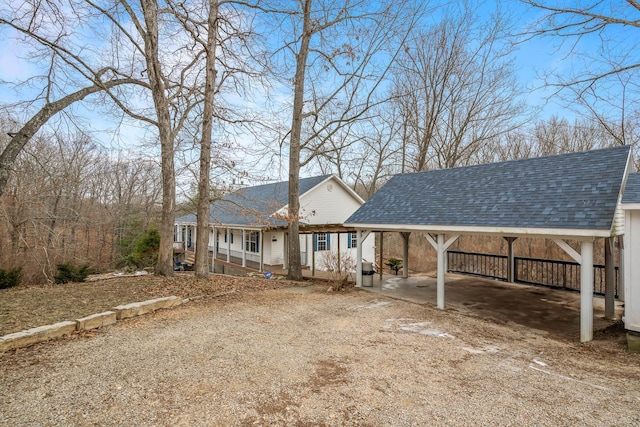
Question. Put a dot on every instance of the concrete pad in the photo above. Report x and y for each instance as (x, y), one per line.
(144, 307)
(97, 320)
(552, 310)
(36, 335)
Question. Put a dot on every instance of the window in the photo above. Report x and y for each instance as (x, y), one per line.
(352, 240)
(321, 242)
(252, 242)
(175, 233)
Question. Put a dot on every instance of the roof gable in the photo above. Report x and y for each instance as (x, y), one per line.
(566, 191)
(632, 189)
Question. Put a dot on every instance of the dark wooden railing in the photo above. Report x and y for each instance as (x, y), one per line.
(532, 271)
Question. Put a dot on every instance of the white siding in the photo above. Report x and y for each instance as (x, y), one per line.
(368, 250)
(618, 221)
(328, 203)
(277, 248)
(632, 271)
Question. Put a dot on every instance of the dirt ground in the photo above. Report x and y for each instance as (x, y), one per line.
(302, 356)
(26, 307)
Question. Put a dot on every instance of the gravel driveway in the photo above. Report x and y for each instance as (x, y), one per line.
(305, 357)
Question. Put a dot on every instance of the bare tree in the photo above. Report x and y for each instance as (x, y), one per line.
(456, 89)
(601, 40)
(335, 79)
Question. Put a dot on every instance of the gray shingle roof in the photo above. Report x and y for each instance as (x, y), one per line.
(632, 189)
(253, 206)
(567, 191)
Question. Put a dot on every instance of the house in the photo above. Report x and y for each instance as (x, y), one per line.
(566, 197)
(247, 227)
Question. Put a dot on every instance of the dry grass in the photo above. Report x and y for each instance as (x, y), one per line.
(27, 307)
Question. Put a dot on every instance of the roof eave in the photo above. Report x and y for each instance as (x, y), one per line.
(554, 233)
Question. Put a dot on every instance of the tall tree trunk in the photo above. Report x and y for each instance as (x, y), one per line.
(295, 267)
(161, 103)
(204, 186)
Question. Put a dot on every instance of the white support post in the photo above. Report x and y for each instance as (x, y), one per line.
(228, 244)
(609, 280)
(359, 259)
(244, 247)
(313, 254)
(381, 253)
(215, 250)
(261, 249)
(586, 292)
(285, 251)
(441, 270)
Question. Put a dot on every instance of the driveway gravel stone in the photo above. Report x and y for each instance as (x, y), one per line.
(313, 358)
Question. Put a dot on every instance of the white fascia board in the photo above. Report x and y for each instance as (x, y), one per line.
(631, 206)
(239, 226)
(339, 182)
(576, 234)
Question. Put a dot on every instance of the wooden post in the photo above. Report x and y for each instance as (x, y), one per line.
(609, 280)
(405, 254)
(510, 259)
(228, 244)
(339, 270)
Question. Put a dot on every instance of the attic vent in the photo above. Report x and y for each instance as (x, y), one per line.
(330, 187)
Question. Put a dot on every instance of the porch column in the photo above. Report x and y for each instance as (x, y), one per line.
(339, 269)
(228, 244)
(609, 280)
(260, 248)
(215, 249)
(285, 251)
(405, 254)
(313, 254)
(359, 259)
(381, 252)
(585, 259)
(586, 292)
(441, 247)
(244, 247)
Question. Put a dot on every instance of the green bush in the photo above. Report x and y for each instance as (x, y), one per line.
(394, 264)
(144, 252)
(10, 278)
(69, 273)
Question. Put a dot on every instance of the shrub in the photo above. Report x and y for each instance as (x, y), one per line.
(394, 264)
(10, 278)
(144, 251)
(340, 268)
(69, 273)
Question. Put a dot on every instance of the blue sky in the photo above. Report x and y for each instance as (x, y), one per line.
(533, 58)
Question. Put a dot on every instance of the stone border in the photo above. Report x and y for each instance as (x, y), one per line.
(98, 320)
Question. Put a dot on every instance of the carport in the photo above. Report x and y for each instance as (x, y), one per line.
(566, 197)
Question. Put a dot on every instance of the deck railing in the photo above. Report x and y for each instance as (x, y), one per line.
(532, 271)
